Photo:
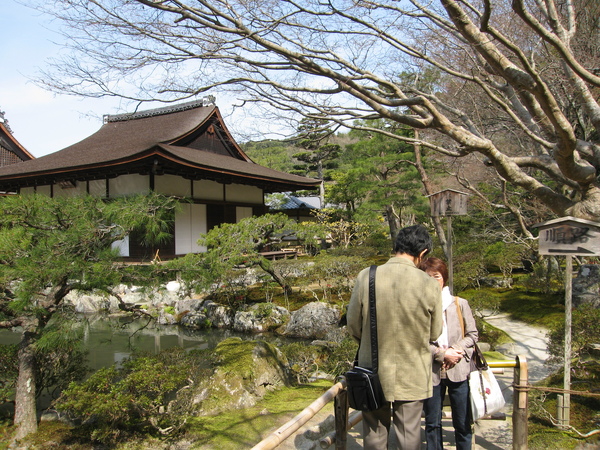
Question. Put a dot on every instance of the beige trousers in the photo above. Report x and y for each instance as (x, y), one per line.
(407, 425)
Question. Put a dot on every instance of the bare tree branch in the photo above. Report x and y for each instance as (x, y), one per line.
(514, 82)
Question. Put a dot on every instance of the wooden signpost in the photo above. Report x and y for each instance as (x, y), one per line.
(570, 237)
(449, 203)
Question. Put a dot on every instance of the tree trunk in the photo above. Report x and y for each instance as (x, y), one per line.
(393, 222)
(25, 402)
(264, 265)
(322, 194)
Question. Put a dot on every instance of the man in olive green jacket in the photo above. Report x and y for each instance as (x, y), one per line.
(409, 317)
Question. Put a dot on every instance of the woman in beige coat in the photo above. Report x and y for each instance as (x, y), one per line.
(451, 367)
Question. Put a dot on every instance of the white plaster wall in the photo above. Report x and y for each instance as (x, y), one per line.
(208, 190)
(242, 193)
(77, 191)
(129, 184)
(242, 212)
(98, 188)
(122, 246)
(44, 190)
(172, 185)
(190, 222)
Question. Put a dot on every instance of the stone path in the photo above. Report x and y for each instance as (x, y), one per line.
(489, 434)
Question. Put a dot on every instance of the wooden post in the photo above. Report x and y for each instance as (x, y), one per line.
(520, 403)
(341, 419)
(328, 440)
(448, 203)
(450, 263)
(566, 403)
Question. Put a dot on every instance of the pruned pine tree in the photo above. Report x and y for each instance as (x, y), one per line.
(50, 247)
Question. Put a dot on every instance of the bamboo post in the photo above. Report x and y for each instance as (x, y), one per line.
(286, 430)
(341, 418)
(520, 403)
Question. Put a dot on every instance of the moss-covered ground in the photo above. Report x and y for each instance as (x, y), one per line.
(231, 430)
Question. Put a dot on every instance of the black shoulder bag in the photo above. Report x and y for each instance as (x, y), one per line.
(364, 388)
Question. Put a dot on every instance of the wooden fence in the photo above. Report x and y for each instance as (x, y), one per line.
(345, 421)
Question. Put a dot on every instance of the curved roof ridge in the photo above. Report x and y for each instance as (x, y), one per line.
(206, 101)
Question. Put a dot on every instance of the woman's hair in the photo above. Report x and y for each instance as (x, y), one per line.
(435, 265)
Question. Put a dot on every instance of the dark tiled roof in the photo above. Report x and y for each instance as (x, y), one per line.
(191, 138)
(233, 166)
(301, 203)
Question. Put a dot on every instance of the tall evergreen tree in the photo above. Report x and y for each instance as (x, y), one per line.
(313, 136)
(379, 176)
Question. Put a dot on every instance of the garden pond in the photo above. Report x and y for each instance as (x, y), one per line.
(109, 340)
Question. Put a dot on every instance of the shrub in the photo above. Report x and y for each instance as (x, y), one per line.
(546, 276)
(333, 358)
(585, 331)
(334, 275)
(132, 398)
(468, 266)
(503, 256)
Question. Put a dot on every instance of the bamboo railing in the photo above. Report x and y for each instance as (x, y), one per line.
(345, 421)
(286, 430)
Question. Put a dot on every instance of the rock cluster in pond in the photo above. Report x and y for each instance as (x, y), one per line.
(313, 321)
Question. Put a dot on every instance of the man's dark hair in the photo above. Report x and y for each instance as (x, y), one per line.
(413, 240)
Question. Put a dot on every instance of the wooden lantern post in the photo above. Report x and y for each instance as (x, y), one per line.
(449, 203)
(570, 237)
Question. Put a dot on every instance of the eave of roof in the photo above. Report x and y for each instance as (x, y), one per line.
(125, 146)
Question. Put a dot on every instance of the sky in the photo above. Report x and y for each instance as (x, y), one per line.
(41, 121)
(44, 122)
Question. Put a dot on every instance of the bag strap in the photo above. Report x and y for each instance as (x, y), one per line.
(460, 316)
(373, 319)
(478, 359)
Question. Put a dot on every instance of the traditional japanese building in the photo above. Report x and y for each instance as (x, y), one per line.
(11, 151)
(183, 150)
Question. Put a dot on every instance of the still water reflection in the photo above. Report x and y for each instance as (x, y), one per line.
(110, 340)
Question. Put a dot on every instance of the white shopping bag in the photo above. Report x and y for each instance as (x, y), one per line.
(485, 393)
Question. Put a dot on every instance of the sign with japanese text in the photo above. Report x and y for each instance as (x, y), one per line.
(448, 203)
(569, 236)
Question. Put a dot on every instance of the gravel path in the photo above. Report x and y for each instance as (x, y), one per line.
(489, 434)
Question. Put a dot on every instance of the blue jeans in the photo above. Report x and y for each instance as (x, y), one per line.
(461, 415)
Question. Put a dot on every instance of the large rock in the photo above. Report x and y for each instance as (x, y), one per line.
(195, 319)
(88, 304)
(586, 287)
(92, 303)
(312, 321)
(219, 316)
(260, 317)
(246, 371)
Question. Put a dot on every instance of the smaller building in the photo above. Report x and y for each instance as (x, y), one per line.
(299, 208)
